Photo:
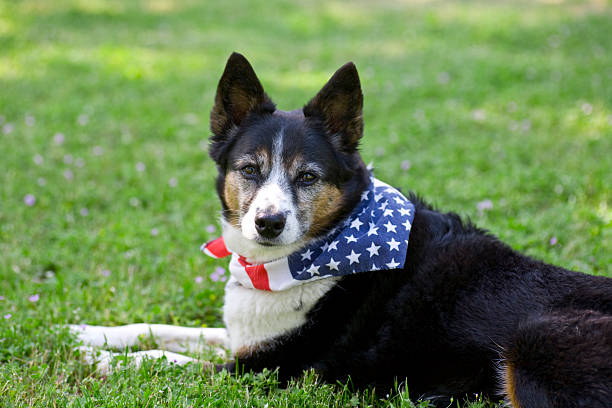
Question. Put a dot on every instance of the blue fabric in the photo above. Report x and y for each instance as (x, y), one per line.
(374, 237)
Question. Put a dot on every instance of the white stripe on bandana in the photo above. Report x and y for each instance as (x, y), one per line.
(374, 237)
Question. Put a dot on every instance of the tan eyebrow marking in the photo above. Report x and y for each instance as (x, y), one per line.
(298, 165)
(261, 158)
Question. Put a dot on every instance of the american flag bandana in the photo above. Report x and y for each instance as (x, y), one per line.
(374, 237)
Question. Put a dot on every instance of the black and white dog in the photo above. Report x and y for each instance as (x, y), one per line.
(335, 271)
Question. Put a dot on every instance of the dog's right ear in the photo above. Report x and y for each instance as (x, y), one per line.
(339, 105)
(239, 93)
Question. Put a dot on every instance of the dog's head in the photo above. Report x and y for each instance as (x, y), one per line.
(286, 177)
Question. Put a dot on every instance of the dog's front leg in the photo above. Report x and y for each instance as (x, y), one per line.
(103, 359)
(174, 338)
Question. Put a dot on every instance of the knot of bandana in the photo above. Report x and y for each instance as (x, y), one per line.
(374, 237)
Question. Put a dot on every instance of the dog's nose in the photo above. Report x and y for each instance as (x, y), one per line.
(270, 225)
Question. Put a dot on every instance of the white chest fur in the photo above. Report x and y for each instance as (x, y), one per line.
(254, 316)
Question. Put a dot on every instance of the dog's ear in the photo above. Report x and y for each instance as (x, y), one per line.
(339, 104)
(239, 93)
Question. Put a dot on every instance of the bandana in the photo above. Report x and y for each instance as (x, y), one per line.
(374, 237)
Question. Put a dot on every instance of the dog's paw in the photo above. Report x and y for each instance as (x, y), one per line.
(107, 361)
(101, 359)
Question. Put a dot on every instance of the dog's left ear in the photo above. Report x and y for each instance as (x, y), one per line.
(339, 104)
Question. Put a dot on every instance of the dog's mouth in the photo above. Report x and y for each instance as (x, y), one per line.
(268, 242)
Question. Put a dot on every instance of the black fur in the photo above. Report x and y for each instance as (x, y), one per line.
(544, 344)
(465, 308)
(463, 302)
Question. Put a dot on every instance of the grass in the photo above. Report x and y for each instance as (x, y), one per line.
(501, 111)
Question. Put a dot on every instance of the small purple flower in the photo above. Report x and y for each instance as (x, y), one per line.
(525, 125)
(443, 78)
(41, 181)
(140, 167)
(34, 298)
(198, 279)
(587, 108)
(479, 115)
(210, 228)
(8, 128)
(58, 138)
(38, 159)
(30, 120)
(29, 200)
(83, 119)
(1, 297)
(419, 115)
(173, 182)
(154, 232)
(68, 174)
(483, 206)
(84, 212)
(405, 165)
(553, 241)
(105, 272)
(7, 316)
(98, 150)
(218, 274)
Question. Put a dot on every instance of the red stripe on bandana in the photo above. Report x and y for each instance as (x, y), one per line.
(216, 248)
(257, 274)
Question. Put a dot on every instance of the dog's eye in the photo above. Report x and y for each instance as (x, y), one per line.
(249, 171)
(306, 178)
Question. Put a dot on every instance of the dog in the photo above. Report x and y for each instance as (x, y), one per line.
(335, 271)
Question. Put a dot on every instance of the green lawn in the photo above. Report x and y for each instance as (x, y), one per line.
(501, 111)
